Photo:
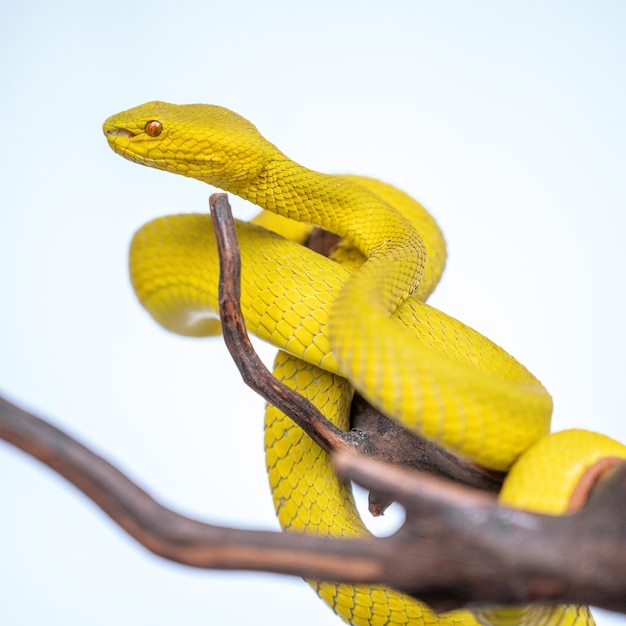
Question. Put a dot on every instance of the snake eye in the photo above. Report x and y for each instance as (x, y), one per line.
(153, 128)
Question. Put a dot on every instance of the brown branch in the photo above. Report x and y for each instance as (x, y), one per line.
(252, 369)
(161, 530)
(456, 547)
(500, 555)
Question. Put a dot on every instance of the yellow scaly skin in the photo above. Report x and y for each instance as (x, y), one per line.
(306, 493)
(309, 498)
(174, 270)
(424, 390)
(175, 267)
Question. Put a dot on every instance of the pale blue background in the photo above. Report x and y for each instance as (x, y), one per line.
(505, 118)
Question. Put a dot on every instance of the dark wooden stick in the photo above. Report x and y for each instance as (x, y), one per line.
(161, 530)
(252, 369)
(456, 547)
(500, 555)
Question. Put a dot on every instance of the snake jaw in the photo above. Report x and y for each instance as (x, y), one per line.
(118, 137)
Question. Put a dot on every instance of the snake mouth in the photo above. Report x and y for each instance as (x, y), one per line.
(115, 133)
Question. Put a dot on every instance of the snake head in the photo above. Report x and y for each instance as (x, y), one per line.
(202, 141)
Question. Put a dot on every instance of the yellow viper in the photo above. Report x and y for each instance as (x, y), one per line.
(369, 326)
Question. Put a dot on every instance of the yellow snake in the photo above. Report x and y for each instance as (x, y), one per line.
(367, 325)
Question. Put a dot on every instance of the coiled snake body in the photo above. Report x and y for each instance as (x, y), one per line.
(369, 326)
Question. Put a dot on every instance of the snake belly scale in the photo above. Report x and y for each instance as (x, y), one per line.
(366, 324)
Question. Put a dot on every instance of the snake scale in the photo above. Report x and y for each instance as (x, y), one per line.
(356, 321)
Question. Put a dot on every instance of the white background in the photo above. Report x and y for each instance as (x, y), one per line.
(505, 118)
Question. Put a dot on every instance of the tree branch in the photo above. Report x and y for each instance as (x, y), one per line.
(456, 547)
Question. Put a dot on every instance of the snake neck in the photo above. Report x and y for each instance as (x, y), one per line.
(335, 203)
